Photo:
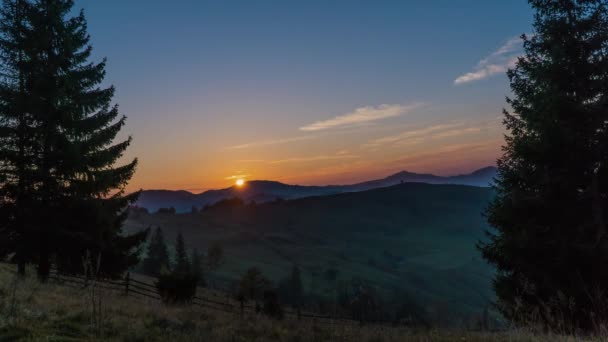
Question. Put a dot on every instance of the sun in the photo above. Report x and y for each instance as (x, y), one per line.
(240, 182)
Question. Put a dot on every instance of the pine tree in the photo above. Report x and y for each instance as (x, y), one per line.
(290, 288)
(17, 143)
(78, 202)
(295, 282)
(182, 264)
(550, 245)
(252, 284)
(157, 258)
(215, 256)
(197, 267)
(80, 152)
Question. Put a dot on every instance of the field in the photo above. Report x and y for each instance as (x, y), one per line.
(31, 311)
(411, 240)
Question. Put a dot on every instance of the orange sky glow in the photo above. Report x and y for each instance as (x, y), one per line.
(342, 156)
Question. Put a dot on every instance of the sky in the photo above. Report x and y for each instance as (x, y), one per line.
(307, 92)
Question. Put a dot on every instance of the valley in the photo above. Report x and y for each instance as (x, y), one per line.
(413, 240)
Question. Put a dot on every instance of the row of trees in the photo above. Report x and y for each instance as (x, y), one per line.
(158, 260)
(255, 286)
(356, 299)
(60, 191)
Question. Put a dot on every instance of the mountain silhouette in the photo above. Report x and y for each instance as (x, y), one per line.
(261, 191)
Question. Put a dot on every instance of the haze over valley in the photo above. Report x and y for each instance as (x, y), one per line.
(265, 191)
(411, 240)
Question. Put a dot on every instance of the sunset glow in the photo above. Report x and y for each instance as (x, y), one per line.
(240, 182)
(306, 104)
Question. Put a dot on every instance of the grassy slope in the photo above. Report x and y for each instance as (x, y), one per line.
(430, 231)
(50, 312)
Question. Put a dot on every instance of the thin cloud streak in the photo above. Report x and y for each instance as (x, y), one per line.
(454, 151)
(416, 135)
(362, 115)
(497, 62)
(442, 131)
(243, 176)
(312, 159)
(251, 161)
(270, 142)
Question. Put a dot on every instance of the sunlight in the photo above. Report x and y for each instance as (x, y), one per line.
(240, 182)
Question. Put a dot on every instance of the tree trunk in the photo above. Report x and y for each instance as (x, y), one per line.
(44, 265)
(21, 266)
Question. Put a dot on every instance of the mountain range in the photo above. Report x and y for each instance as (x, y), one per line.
(262, 191)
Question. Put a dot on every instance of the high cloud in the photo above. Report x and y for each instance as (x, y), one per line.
(412, 136)
(497, 62)
(435, 132)
(269, 142)
(362, 115)
(313, 159)
(238, 176)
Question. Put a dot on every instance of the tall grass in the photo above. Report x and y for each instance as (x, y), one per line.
(43, 312)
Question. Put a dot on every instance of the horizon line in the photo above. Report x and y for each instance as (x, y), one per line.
(197, 191)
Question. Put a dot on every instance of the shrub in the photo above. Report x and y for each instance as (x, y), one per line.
(272, 307)
(177, 288)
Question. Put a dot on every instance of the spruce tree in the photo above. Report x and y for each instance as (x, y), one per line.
(550, 245)
(15, 142)
(290, 288)
(215, 258)
(80, 146)
(182, 264)
(157, 258)
(76, 201)
(252, 284)
(295, 286)
(197, 267)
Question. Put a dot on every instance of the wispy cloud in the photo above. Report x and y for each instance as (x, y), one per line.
(238, 176)
(270, 142)
(362, 115)
(457, 132)
(414, 135)
(313, 159)
(251, 161)
(453, 151)
(496, 63)
(441, 131)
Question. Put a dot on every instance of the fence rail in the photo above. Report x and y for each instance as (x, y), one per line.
(137, 289)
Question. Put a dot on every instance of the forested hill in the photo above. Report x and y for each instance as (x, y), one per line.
(415, 239)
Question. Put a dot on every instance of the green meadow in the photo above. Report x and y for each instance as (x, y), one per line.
(412, 240)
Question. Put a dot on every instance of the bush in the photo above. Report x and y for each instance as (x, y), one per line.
(272, 307)
(177, 288)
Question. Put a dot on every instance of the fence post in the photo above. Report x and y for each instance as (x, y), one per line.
(127, 279)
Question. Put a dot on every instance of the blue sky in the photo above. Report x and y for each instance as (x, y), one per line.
(309, 92)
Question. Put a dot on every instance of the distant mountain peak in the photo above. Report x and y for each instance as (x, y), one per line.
(268, 190)
(407, 174)
(485, 170)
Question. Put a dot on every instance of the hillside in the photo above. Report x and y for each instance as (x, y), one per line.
(414, 239)
(262, 191)
(32, 311)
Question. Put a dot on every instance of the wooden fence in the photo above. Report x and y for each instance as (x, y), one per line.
(140, 289)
